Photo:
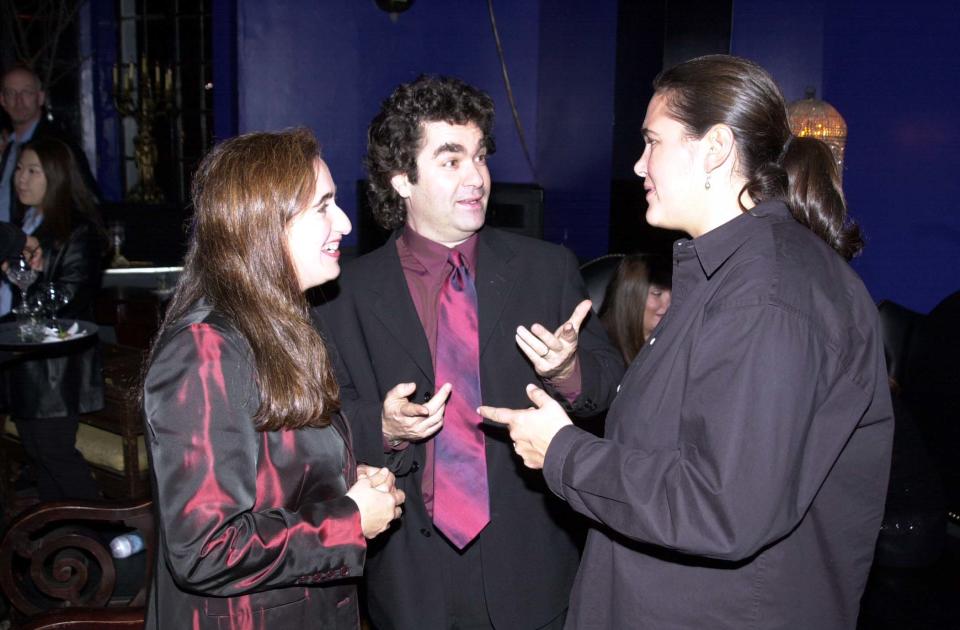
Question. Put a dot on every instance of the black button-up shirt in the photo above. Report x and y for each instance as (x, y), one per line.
(742, 479)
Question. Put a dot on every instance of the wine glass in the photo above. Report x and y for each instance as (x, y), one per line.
(22, 274)
(28, 314)
(118, 235)
(54, 297)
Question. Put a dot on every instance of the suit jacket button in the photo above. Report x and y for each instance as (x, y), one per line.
(415, 466)
(427, 396)
(426, 532)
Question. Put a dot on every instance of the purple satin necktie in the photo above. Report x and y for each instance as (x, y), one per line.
(461, 504)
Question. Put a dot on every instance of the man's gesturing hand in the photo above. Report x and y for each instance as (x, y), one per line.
(554, 355)
(405, 421)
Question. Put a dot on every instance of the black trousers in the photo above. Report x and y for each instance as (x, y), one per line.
(61, 471)
(464, 598)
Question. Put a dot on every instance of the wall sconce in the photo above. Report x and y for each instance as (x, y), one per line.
(811, 117)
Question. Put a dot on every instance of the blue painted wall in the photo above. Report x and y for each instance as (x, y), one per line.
(896, 79)
(578, 49)
(894, 75)
(328, 65)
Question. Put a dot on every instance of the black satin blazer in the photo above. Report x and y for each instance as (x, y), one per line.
(254, 528)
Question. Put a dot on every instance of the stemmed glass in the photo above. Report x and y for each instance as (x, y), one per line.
(117, 236)
(54, 297)
(22, 274)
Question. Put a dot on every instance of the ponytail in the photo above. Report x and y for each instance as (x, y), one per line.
(814, 195)
(800, 172)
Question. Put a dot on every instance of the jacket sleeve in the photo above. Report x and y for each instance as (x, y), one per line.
(77, 270)
(601, 365)
(199, 399)
(360, 401)
(768, 407)
(12, 240)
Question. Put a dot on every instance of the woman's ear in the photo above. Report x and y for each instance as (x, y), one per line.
(719, 146)
(401, 184)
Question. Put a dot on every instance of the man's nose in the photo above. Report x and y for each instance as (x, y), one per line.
(474, 176)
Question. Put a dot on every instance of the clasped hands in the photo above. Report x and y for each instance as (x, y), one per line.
(377, 497)
(32, 253)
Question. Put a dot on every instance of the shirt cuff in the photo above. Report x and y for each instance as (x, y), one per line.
(566, 439)
(389, 447)
(570, 386)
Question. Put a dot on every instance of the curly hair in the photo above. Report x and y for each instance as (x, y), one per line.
(395, 135)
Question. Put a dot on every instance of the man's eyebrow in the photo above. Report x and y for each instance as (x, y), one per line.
(449, 147)
(327, 197)
(647, 132)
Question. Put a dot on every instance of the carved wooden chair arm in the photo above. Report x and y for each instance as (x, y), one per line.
(53, 556)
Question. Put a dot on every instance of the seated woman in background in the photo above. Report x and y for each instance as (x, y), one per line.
(47, 394)
(635, 302)
(262, 511)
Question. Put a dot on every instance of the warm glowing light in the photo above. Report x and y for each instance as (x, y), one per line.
(811, 117)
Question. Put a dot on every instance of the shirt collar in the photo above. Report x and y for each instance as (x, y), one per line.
(433, 256)
(31, 220)
(28, 135)
(716, 246)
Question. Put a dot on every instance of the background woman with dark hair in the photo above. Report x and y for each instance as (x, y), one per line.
(47, 395)
(261, 514)
(635, 301)
(742, 477)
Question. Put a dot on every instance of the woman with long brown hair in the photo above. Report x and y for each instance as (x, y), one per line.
(261, 508)
(47, 393)
(742, 476)
(635, 301)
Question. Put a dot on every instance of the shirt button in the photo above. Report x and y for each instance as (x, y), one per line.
(425, 532)
(415, 466)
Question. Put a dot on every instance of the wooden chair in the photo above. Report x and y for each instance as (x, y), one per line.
(57, 571)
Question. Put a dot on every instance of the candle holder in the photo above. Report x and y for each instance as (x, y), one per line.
(152, 97)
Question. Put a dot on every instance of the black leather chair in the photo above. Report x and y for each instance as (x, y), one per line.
(932, 390)
(922, 352)
(597, 274)
(898, 327)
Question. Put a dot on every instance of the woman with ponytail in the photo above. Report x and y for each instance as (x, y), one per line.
(742, 476)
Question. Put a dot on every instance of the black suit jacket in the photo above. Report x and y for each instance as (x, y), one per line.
(529, 550)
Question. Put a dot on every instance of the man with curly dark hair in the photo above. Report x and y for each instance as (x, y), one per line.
(482, 544)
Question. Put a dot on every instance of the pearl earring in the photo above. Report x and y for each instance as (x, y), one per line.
(706, 184)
